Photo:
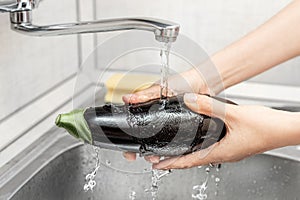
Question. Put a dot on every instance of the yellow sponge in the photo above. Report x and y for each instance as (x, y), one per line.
(120, 84)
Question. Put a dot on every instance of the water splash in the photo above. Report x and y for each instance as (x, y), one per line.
(90, 178)
(164, 55)
(132, 195)
(157, 175)
(201, 190)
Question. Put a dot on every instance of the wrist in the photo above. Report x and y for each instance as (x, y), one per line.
(196, 81)
(232, 67)
(293, 129)
(287, 132)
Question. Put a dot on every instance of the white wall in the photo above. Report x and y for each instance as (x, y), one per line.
(211, 23)
(30, 65)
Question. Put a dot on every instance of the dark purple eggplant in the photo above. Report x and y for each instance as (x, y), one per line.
(164, 127)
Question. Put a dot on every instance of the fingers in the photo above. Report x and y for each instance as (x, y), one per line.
(152, 92)
(152, 159)
(129, 156)
(132, 157)
(206, 105)
(189, 160)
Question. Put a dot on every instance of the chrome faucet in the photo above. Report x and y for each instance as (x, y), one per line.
(21, 21)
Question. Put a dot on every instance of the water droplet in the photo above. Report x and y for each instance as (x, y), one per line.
(211, 165)
(207, 169)
(108, 163)
(218, 168)
(216, 193)
(132, 195)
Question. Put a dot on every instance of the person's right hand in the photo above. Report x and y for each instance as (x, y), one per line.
(187, 82)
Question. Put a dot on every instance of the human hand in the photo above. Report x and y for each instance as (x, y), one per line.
(250, 130)
(188, 81)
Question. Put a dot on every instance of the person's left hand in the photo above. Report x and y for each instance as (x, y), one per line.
(250, 130)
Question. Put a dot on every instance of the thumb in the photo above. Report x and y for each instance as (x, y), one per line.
(206, 105)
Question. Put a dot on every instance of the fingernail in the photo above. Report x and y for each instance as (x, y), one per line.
(190, 98)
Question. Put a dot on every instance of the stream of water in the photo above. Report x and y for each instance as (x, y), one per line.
(164, 55)
(90, 178)
(156, 177)
(201, 193)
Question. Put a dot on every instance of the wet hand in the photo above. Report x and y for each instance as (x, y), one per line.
(188, 81)
(250, 130)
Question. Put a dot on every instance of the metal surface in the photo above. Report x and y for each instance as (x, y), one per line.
(164, 31)
(21, 19)
(8, 6)
(18, 5)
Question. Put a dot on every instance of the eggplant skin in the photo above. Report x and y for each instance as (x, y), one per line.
(161, 127)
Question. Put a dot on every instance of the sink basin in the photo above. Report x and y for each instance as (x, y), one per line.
(57, 171)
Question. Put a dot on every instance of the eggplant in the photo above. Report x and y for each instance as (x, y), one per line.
(164, 127)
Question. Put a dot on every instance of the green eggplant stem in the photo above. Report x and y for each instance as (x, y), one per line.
(75, 124)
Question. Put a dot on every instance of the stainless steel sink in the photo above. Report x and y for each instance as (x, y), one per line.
(55, 168)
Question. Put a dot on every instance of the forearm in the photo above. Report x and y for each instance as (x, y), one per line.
(271, 44)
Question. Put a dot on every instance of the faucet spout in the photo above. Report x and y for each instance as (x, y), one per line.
(164, 31)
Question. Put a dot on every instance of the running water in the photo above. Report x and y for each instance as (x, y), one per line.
(155, 179)
(201, 189)
(164, 55)
(90, 178)
(217, 179)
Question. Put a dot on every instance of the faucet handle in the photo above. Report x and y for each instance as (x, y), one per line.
(18, 5)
